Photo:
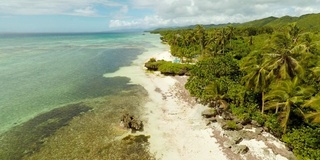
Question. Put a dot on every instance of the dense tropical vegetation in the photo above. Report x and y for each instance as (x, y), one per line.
(268, 74)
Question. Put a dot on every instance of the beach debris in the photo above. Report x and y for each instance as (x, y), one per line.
(131, 122)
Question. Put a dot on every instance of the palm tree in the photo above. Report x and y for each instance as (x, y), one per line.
(216, 95)
(201, 35)
(257, 81)
(316, 71)
(313, 103)
(230, 34)
(221, 40)
(210, 44)
(294, 32)
(287, 96)
(257, 78)
(283, 57)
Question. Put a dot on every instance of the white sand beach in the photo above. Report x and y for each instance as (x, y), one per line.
(174, 122)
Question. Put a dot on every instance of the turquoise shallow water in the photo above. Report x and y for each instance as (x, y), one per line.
(39, 72)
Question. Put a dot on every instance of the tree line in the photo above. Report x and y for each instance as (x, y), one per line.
(260, 73)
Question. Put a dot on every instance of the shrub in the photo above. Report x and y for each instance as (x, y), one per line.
(152, 60)
(273, 125)
(304, 142)
(230, 125)
(153, 65)
(169, 68)
(260, 118)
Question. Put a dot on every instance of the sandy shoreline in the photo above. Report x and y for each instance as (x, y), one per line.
(177, 129)
(174, 122)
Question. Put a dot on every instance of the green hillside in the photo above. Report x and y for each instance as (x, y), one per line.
(259, 23)
(308, 22)
(283, 21)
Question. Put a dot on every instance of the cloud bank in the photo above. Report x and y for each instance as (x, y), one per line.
(54, 7)
(186, 12)
(119, 14)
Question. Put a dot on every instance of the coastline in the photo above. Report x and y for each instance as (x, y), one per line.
(172, 119)
(176, 128)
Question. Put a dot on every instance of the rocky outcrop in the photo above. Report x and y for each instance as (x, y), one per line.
(255, 123)
(236, 132)
(233, 143)
(208, 113)
(227, 115)
(233, 138)
(131, 122)
(239, 149)
(231, 125)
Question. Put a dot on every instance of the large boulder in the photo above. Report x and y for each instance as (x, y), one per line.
(212, 119)
(234, 136)
(228, 143)
(131, 122)
(239, 149)
(227, 115)
(209, 113)
(136, 124)
(255, 123)
(259, 130)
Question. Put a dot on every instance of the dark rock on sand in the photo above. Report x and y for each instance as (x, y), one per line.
(239, 149)
(209, 113)
(131, 122)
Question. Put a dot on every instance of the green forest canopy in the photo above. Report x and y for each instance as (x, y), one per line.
(267, 70)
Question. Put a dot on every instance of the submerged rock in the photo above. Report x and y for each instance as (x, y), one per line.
(28, 137)
(136, 139)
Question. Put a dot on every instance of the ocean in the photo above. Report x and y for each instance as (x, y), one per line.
(42, 73)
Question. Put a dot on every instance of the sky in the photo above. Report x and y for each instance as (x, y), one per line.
(110, 15)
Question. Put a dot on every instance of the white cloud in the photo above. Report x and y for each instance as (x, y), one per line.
(124, 9)
(146, 22)
(121, 13)
(122, 24)
(87, 11)
(185, 12)
(53, 7)
(129, 13)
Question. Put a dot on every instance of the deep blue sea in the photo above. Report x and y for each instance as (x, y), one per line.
(40, 72)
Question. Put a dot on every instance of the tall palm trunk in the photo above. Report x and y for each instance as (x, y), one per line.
(262, 105)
